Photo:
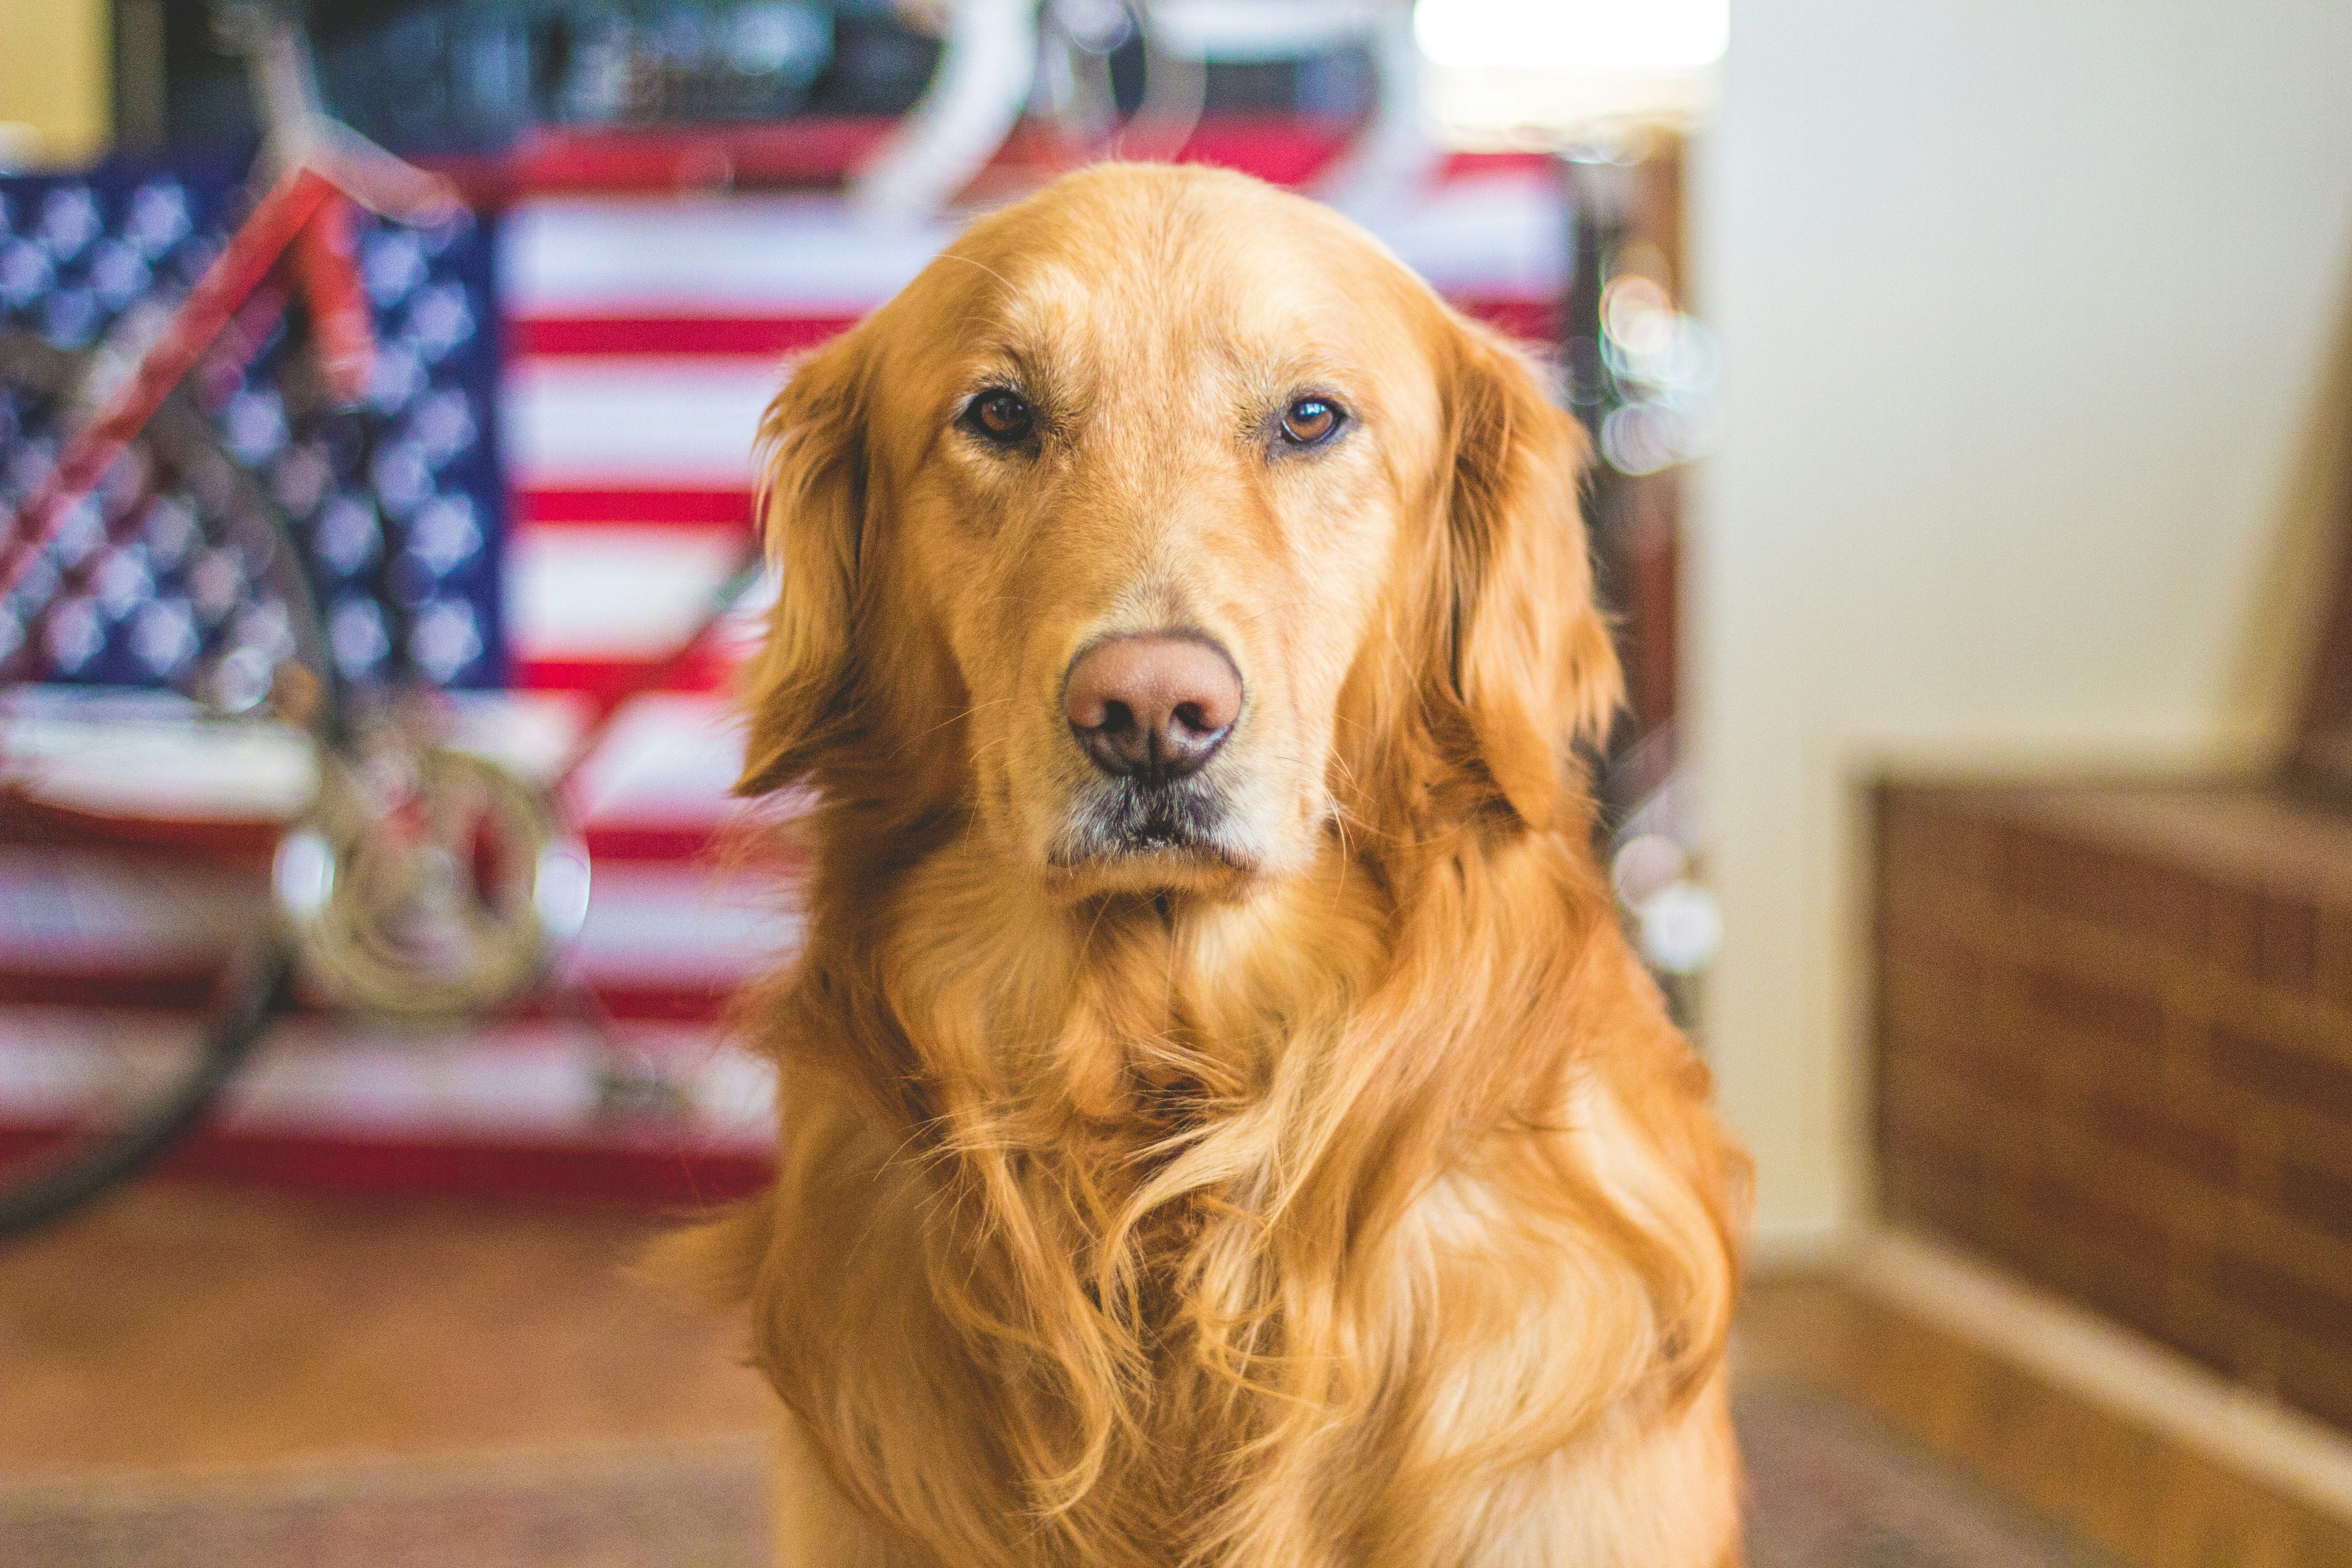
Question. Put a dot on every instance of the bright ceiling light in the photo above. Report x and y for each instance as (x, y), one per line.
(1579, 37)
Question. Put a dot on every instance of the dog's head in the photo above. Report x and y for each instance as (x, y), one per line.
(1163, 525)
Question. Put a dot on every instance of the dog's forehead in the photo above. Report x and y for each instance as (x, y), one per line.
(1191, 259)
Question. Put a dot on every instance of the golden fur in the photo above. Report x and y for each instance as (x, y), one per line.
(1334, 1191)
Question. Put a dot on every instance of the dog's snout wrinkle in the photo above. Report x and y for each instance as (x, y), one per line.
(1153, 706)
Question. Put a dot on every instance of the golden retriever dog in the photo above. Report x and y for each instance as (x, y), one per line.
(1222, 1123)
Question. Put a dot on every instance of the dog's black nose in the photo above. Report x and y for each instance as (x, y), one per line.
(1153, 706)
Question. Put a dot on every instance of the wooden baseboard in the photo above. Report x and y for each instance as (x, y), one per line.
(2131, 1446)
(2094, 1358)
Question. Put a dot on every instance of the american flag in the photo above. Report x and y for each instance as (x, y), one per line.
(641, 337)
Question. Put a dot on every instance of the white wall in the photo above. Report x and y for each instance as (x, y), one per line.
(2029, 309)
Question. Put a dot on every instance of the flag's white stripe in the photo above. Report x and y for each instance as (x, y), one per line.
(1498, 236)
(635, 423)
(669, 760)
(75, 912)
(97, 758)
(685, 925)
(326, 1078)
(734, 255)
(611, 593)
(1493, 238)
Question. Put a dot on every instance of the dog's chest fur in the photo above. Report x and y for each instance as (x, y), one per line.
(1160, 1236)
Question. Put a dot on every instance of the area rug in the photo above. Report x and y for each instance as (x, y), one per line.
(1831, 1489)
(1828, 1488)
(677, 1506)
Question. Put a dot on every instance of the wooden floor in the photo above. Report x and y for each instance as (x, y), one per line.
(181, 1327)
(184, 1326)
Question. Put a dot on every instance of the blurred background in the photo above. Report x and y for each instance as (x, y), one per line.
(1971, 386)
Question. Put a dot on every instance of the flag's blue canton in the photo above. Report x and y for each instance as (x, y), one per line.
(401, 509)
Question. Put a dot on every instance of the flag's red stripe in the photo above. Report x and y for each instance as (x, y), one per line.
(817, 152)
(1476, 165)
(1281, 149)
(647, 1173)
(174, 988)
(158, 842)
(616, 676)
(611, 843)
(1530, 321)
(569, 506)
(150, 840)
(119, 986)
(567, 337)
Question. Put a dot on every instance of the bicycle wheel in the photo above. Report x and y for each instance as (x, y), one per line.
(161, 664)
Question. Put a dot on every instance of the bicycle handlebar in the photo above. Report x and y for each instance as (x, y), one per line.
(298, 133)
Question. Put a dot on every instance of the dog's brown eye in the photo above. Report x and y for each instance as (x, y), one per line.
(1002, 417)
(1311, 421)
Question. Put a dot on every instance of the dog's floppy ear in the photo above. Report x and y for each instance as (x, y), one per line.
(812, 507)
(1531, 663)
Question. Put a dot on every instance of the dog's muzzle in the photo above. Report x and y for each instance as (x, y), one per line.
(1118, 817)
